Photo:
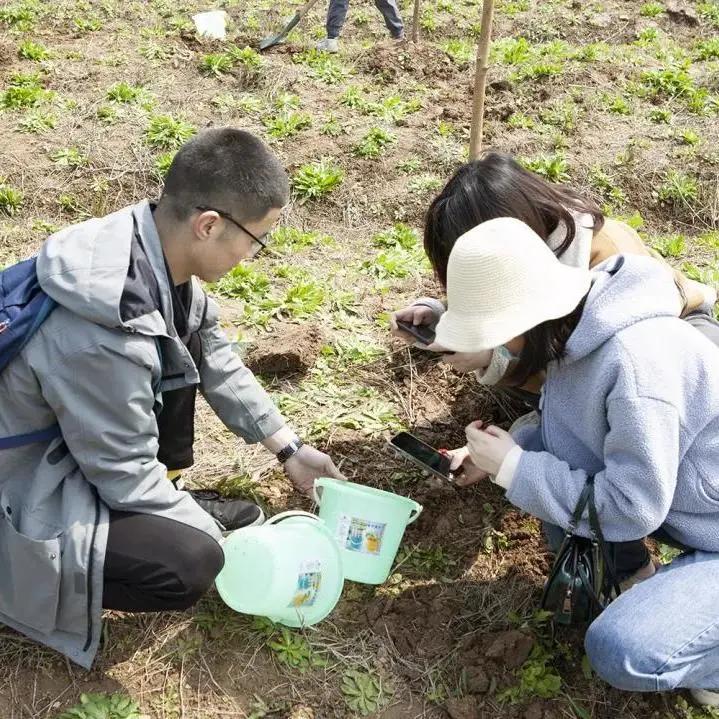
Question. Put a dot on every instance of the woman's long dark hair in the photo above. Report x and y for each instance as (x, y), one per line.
(543, 344)
(498, 186)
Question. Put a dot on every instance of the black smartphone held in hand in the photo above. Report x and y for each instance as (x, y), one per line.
(423, 455)
(422, 333)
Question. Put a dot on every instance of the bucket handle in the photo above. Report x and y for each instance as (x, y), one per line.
(416, 511)
(320, 483)
(290, 513)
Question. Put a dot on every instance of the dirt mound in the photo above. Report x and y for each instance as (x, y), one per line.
(422, 61)
(290, 349)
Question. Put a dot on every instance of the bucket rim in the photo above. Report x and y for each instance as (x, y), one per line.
(326, 482)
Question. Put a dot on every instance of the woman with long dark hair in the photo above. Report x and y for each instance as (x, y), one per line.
(630, 398)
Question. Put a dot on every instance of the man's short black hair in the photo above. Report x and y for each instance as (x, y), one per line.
(229, 170)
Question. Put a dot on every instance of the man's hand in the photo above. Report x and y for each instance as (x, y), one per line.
(308, 463)
(488, 447)
(472, 474)
(414, 314)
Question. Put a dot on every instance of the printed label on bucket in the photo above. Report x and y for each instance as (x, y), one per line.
(309, 579)
(360, 535)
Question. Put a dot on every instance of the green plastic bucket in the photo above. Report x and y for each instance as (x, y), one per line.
(289, 569)
(367, 523)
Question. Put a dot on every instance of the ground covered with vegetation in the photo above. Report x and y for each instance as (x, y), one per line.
(617, 97)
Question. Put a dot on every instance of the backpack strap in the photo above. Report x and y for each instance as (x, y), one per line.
(20, 440)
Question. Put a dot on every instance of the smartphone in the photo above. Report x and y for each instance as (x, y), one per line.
(423, 333)
(423, 455)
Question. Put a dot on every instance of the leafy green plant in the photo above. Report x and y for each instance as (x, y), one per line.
(553, 167)
(708, 49)
(24, 91)
(670, 246)
(303, 299)
(424, 183)
(123, 92)
(678, 188)
(460, 51)
(518, 120)
(607, 185)
(617, 105)
(709, 11)
(363, 691)
(107, 114)
(293, 650)
(400, 235)
(87, 24)
(689, 137)
(392, 108)
(103, 706)
(353, 97)
(68, 157)
(247, 57)
(410, 165)
(287, 124)
(660, 115)
(563, 115)
(316, 179)
(651, 9)
(332, 126)
(425, 561)
(162, 163)
(30, 50)
(671, 81)
(215, 64)
(37, 122)
(10, 199)
(374, 143)
(322, 66)
(536, 679)
(353, 350)
(21, 15)
(512, 51)
(166, 132)
(393, 262)
(242, 282)
(285, 239)
(427, 20)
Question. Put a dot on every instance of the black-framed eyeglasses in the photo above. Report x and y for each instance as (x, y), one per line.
(258, 243)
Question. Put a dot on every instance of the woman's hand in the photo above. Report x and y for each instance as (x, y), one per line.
(488, 446)
(414, 314)
(465, 361)
(471, 474)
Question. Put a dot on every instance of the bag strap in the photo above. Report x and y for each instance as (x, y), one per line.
(596, 530)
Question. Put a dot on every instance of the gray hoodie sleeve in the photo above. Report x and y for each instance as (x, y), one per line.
(231, 389)
(635, 489)
(103, 398)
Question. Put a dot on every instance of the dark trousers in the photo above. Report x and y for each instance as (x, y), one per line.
(337, 12)
(154, 564)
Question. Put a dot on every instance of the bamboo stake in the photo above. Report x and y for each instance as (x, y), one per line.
(480, 80)
(415, 22)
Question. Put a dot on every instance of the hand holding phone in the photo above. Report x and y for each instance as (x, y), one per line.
(422, 333)
(424, 456)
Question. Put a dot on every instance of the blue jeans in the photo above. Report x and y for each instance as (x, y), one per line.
(663, 633)
(337, 12)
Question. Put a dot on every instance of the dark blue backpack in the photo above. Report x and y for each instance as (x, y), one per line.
(23, 308)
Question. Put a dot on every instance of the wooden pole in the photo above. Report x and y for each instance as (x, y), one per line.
(415, 21)
(480, 80)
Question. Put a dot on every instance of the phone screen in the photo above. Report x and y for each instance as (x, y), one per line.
(422, 454)
(423, 333)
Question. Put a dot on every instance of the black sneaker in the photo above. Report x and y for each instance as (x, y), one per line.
(230, 513)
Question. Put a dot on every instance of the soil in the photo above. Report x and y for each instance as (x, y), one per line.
(288, 350)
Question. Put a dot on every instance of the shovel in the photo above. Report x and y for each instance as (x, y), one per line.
(272, 40)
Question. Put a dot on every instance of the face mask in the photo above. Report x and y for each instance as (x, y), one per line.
(506, 354)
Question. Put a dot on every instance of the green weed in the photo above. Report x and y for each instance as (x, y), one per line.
(316, 179)
(69, 157)
(563, 115)
(670, 246)
(707, 49)
(353, 350)
(84, 25)
(290, 239)
(392, 108)
(672, 81)
(37, 122)
(512, 51)
(678, 188)
(287, 124)
(107, 114)
(322, 66)
(392, 263)
(400, 235)
(332, 126)
(10, 199)
(427, 20)
(536, 679)
(710, 12)
(554, 167)
(651, 9)
(294, 651)
(424, 184)
(410, 165)
(166, 132)
(303, 299)
(122, 92)
(162, 163)
(617, 105)
(30, 50)
(460, 51)
(287, 101)
(689, 137)
(607, 186)
(250, 59)
(374, 143)
(103, 706)
(425, 561)
(363, 692)
(660, 116)
(517, 120)
(242, 282)
(215, 64)
(24, 91)
(21, 15)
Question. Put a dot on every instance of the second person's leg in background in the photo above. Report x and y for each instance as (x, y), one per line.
(336, 15)
(392, 18)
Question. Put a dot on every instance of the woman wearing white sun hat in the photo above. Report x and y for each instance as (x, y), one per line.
(631, 397)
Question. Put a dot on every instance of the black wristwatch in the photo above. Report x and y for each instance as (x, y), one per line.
(286, 452)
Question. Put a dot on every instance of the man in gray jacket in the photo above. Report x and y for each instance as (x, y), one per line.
(89, 520)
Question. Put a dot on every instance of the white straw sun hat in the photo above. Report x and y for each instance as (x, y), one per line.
(502, 280)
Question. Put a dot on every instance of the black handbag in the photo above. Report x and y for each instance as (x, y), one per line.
(582, 580)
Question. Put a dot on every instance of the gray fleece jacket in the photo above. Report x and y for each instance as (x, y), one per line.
(635, 403)
(99, 376)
